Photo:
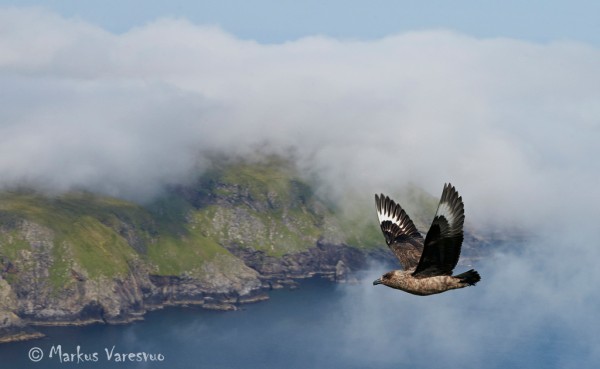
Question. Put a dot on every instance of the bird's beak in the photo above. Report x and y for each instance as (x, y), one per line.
(377, 281)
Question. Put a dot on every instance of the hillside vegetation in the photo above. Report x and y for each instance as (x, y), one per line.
(240, 227)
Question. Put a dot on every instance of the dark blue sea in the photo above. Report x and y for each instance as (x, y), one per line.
(327, 325)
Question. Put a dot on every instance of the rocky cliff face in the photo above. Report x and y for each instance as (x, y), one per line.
(44, 281)
(239, 231)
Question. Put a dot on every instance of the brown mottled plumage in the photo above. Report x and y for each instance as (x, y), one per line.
(428, 263)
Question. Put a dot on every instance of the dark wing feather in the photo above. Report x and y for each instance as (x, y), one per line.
(400, 233)
(444, 239)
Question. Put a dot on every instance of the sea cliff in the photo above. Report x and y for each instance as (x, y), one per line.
(227, 238)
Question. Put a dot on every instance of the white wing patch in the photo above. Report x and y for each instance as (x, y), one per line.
(445, 211)
(451, 208)
(384, 215)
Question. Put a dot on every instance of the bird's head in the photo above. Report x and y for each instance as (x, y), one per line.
(384, 278)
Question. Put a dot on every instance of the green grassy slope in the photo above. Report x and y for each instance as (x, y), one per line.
(79, 227)
(100, 236)
(262, 205)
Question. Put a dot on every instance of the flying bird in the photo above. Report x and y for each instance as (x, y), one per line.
(428, 264)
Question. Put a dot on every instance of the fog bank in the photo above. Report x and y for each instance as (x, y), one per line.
(508, 122)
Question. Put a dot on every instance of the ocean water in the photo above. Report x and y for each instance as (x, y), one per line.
(319, 325)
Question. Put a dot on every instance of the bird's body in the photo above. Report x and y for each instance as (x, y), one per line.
(405, 281)
(428, 263)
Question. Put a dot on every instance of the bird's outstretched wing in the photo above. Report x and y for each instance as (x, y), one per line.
(400, 233)
(444, 239)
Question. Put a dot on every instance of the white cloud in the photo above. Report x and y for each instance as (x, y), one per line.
(508, 122)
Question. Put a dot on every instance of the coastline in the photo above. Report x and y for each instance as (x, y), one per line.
(336, 263)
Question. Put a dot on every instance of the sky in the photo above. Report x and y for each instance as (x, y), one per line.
(500, 100)
(269, 21)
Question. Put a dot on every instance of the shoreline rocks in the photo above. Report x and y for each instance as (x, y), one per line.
(127, 299)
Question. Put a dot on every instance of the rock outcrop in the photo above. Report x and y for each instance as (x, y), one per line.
(238, 232)
(31, 298)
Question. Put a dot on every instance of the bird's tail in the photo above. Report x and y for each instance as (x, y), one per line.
(470, 277)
